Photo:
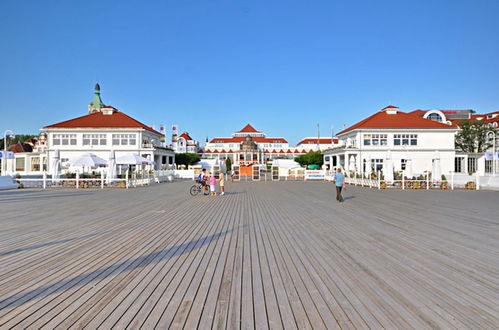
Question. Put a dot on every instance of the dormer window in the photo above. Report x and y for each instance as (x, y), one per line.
(435, 117)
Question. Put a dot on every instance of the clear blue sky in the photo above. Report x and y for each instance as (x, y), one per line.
(213, 66)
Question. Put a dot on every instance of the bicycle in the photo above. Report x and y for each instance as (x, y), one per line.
(198, 188)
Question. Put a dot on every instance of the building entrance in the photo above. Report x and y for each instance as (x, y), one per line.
(246, 171)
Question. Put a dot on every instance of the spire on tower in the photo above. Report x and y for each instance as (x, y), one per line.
(96, 104)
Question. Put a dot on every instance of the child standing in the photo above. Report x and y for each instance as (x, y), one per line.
(213, 184)
(221, 182)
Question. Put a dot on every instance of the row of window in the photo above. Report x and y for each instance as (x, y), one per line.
(398, 139)
(94, 139)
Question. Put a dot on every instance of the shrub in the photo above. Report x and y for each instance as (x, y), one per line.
(470, 185)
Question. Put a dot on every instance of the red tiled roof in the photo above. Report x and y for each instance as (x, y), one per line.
(248, 129)
(419, 112)
(484, 117)
(390, 107)
(100, 120)
(382, 119)
(186, 136)
(239, 139)
(314, 140)
(20, 147)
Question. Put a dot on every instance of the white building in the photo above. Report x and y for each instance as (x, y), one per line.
(266, 147)
(405, 141)
(186, 144)
(102, 130)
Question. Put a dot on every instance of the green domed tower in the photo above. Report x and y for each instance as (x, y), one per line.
(96, 104)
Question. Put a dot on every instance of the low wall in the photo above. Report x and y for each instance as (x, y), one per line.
(184, 174)
(7, 182)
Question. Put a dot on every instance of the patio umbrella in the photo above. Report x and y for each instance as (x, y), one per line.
(56, 165)
(111, 170)
(368, 165)
(437, 171)
(133, 159)
(351, 165)
(408, 167)
(87, 159)
(388, 168)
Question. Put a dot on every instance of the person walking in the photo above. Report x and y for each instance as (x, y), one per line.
(339, 180)
(213, 184)
(221, 182)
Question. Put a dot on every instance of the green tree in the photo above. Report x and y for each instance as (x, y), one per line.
(187, 159)
(472, 137)
(228, 164)
(312, 158)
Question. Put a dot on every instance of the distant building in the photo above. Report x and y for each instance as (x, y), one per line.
(186, 144)
(316, 143)
(249, 147)
(267, 148)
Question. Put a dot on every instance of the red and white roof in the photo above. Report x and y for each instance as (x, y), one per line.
(248, 129)
(100, 120)
(314, 140)
(256, 139)
(390, 117)
(186, 136)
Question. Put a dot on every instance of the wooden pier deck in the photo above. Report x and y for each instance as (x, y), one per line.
(266, 255)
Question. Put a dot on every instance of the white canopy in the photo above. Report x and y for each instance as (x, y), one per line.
(87, 159)
(111, 171)
(288, 163)
(408, 167)
(437, 171)
(56, 165)
(208, 163)
(388, 168)
(133, 159)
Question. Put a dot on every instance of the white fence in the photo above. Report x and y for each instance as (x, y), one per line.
(131, 179)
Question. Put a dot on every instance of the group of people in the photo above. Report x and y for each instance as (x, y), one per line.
(206, 177)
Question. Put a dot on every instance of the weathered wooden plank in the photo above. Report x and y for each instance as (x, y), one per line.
(291, 257)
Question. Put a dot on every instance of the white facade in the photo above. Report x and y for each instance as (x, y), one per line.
(413, 151)
(69, 143)
(185, 144)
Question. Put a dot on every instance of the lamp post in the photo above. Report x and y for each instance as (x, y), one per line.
(493, 134)
(4, 160)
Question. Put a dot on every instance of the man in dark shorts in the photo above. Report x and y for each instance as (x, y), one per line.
(339, 180)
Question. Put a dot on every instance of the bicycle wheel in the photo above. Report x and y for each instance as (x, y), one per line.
(194, 190)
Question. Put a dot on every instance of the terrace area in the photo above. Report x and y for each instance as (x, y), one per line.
(265, 255)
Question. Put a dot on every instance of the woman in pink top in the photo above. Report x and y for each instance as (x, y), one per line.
(213, 184)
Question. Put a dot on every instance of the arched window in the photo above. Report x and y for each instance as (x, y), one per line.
(435, 117)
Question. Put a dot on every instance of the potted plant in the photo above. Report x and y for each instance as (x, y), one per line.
(444, 185)
(470, 185)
